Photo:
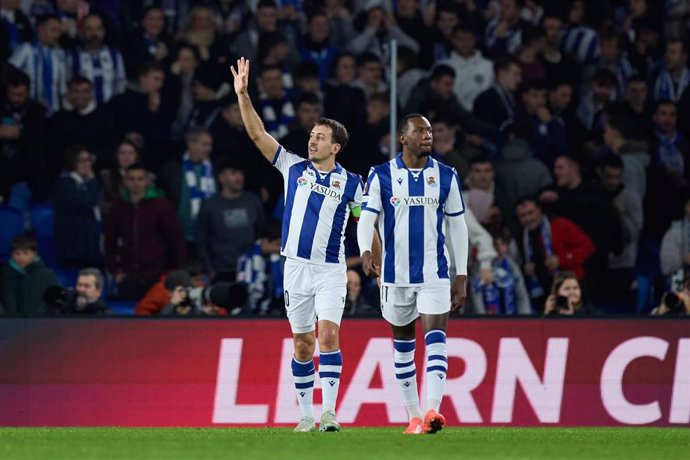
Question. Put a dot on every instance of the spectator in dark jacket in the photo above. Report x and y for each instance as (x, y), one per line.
(496, 105)
(150, 43)
(76, 198)
(143, 237)
(228, 224)
(24, 279)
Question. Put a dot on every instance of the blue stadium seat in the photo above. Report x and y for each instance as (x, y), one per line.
(122, 307)
(42, 219)
(11, 225)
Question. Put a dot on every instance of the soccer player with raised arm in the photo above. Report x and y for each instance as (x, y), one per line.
(414, 197)
(319, 197)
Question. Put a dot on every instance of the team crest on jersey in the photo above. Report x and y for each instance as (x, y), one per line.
(336, 184)
(302, 181)
(431, 180)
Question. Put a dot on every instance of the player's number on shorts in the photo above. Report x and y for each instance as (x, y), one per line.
(287, 299)
(384, 293)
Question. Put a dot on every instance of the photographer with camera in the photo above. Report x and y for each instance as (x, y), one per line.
(187, 300)
(675, 303)
(84, 299)
(566, 297)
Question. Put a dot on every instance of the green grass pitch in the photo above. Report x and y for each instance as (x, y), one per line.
(350, 444)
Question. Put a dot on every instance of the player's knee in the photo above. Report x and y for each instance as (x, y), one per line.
(328, 338)
(304, 348)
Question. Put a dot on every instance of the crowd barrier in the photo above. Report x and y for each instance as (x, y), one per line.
(201, 373)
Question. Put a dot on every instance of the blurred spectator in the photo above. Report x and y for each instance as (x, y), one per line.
(157, 297)
(44, 62)
(506, 293)
(670, 150)
(17, 23)
(447, 19)
(100, 63)
(228, 224)
(646, 51)
(342, 27)
(674, 78)
(416, 23)
(675, 302)
(276, 108)
(179, 86)
(22, 126)
(566, 297)
(496, 105)
(306, 80)
(474, 74)
(370, 77)
(182, 302)
(562, 110)
(355, 303)
(617, 130)
(89, 289)
(503, 34)
(613, 59)
(451, 146)
(408, 74)
(434, 96)
(143, 237)
(483, 193)
(549, 245)
(24, 279)
(593, 100)
(189, 182)
(529, 54)
(308, 111)
(621, 271)
(317, 45)
(140, 113)
(265, 20)
(377, 27)
(549, 137)
(580, 40)
(637, 105)
(675, 248)
(84, 124)
(203, 30)
(274, 50)
(70, 12)
(112, 179)
(558, 65)
(76, 199)
(150, 42)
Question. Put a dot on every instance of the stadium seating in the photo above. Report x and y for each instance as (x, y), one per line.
(12, 225)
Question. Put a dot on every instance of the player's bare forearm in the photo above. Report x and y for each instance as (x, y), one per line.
(376, 247)
(266, 144)
(256, 131)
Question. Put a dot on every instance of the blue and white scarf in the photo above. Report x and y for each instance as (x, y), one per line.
(277, 124)
(668, 154)
(666, 87)
(533, 285)
(505, 281)
(198, 190)
(105, 69)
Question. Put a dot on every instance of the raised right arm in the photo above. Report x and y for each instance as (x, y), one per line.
(266, 144)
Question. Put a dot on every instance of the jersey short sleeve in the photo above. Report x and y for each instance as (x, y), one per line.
(371, 199)
(284, 159)
(356, 204)
(455, 204)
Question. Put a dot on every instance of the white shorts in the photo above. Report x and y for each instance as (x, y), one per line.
(401, 305)
(313, 292)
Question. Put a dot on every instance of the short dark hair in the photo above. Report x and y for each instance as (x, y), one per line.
(366, 58)
(308, 98)
(79, 80)
(527, 199)
(402, 125)
(266, 4)
(137, 167)
(193, 133)
(612, 161)
(18, 78)
(25, 241)
(619, 119)
(479, 160)
(306, 69)
(339, 133)
(269, 67)
(571, 158)
(503, 63)
(188, 46)
(151, 66)
(531, 34)
(664, 101)
(537, 85)
(407, 56)
(442, 70)
(72, 155)
(228, 164)
(674, 40)
(637, 78)
(604, 77)
(610, 35)
(44, 18)
(463, 28)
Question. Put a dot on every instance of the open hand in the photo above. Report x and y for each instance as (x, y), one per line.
(241, 76)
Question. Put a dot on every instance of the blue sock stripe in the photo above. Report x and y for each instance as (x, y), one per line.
(439, 357)
(435, 336)
(403, 346)
(301, 386)
(409, 363)
(329, 375)
(335, 358)
(436, 368)
(406, 375)
(302, 369)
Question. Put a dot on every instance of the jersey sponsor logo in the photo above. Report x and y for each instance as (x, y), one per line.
(302, 181)
(320, 189)
(414, 201)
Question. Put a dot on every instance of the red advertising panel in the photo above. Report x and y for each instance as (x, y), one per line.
(140, 372)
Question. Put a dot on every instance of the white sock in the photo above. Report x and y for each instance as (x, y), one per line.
(406, 375)
(330, 367)
(304, 376)
(436, 367)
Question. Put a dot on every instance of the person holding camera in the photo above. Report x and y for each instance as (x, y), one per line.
(675, 303)
(186, 300)
(566, 297)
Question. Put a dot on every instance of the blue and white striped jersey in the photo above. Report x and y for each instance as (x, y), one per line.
(412, 207)
(317, 206)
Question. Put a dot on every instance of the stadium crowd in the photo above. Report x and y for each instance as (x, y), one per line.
(126, 172)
